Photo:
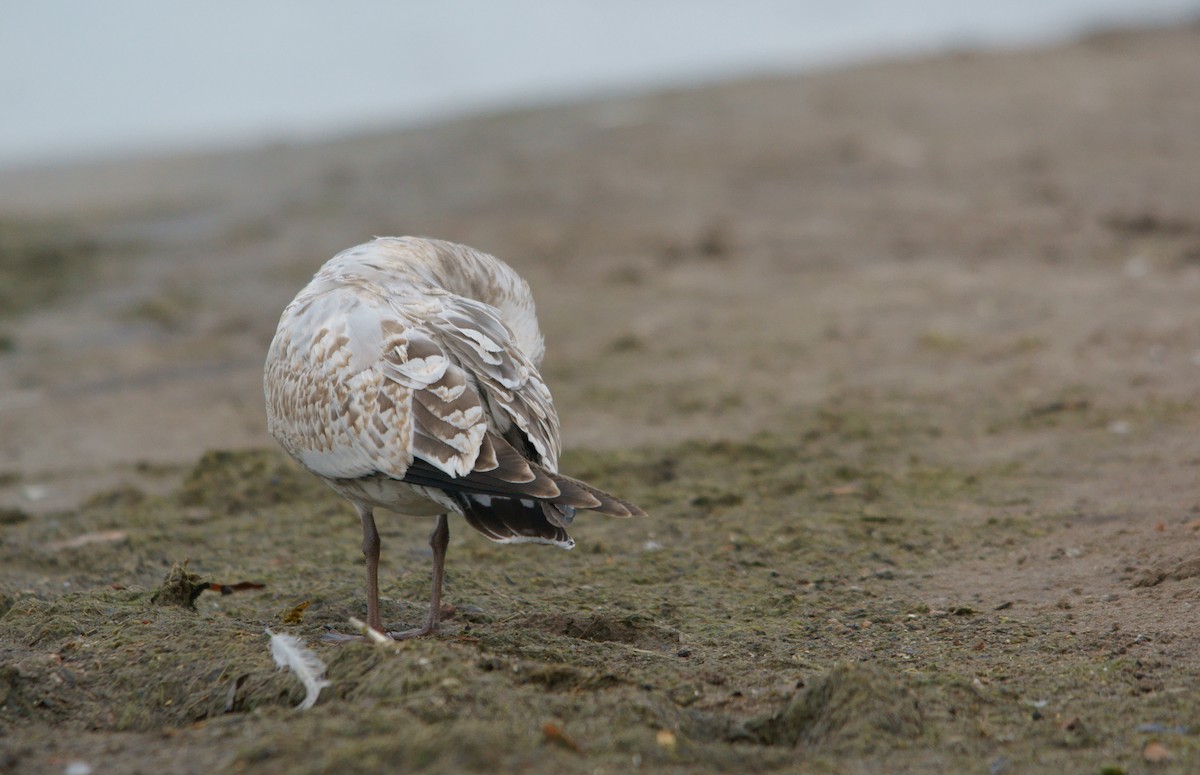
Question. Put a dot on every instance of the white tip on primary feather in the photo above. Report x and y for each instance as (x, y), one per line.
(289, 653)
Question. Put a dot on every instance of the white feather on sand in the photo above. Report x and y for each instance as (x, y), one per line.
(290, 653)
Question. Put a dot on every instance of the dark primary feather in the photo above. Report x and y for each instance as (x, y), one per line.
(516, 477)
(518, 497)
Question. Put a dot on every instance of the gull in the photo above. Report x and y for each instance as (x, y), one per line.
(405, 375)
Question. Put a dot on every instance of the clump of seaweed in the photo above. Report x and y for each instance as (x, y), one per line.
(180, 588)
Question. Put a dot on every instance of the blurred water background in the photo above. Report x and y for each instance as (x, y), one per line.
(94, 80)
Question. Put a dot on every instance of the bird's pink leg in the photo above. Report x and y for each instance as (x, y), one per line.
(438, 541)
(370, 550)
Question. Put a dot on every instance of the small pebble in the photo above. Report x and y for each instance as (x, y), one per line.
(1156, 752)
(34, 493)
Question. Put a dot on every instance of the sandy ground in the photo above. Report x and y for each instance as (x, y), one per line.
(957, 295)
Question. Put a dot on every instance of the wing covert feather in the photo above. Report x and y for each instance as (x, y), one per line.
(516, 395)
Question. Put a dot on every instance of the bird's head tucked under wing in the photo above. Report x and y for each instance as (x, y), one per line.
(457, 269)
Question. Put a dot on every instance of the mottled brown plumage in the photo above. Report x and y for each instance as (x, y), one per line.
(406, 376)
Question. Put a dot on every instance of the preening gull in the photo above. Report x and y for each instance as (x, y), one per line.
(405, 375)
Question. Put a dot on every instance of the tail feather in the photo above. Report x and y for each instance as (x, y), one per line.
(512, 520)
(510, 498)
